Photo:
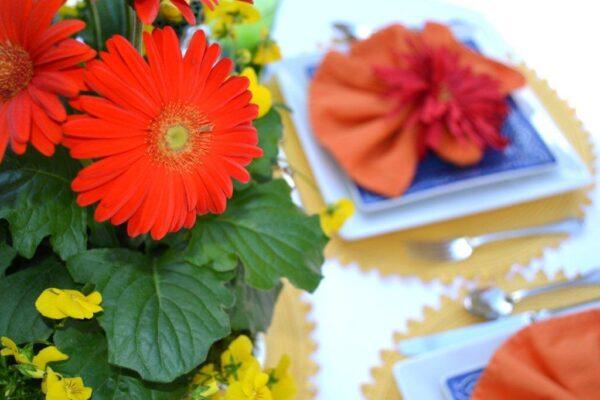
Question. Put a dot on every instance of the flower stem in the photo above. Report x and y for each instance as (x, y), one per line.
(97, 25)
(295, 172)
(135, 28)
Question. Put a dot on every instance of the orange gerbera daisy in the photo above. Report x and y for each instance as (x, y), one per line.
(168, 134)
(38, 62)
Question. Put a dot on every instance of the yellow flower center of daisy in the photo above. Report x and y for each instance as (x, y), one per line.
(179, 136)
(16, 70)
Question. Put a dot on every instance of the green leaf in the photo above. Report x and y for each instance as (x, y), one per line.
(19, 320)
(253, 310)
(269, 234)
(36, 200)
(88, 358)
(161, 315)
(102, 234)
(270, 132)
(16, 386)
(7, 253)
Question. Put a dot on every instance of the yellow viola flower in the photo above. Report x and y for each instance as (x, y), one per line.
(267, 52)
(206, 373)
(206, 390)
(35, 366)
(238, 359)
(282, 384)
(334, 216)
(58, 388)
(47, 355)
(9, 348)
(58, 304)
(205, 383)
(261, 95)
(252, 387)
(232, 12)
(171, 13)
(227, 15)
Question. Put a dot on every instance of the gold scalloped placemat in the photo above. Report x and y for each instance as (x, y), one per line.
(451, 315)
(290, 333)
(389, 255)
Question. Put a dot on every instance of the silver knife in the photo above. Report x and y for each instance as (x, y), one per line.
(456, 337)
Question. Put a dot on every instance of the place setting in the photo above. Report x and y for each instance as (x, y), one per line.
(457, 158)
(518, 339)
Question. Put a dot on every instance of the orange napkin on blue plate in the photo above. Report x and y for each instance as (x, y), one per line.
(379, 108)
(557, 359)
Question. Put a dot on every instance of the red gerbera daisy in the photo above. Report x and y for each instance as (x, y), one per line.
(38, 62)
(168, 134)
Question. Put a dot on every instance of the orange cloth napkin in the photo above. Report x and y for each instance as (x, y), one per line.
(375, 133)
(558, 359)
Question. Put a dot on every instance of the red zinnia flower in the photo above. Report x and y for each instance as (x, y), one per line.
(147, 10)
(445, 96)
(168, 134)
(38, 62)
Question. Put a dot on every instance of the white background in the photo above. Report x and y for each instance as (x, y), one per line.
(356, 313)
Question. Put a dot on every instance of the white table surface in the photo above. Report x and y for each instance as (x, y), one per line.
(356, 313)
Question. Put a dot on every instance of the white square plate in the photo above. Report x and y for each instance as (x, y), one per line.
(422, 378)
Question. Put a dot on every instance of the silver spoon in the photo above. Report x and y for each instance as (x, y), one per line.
(462, 248)
(493, 303)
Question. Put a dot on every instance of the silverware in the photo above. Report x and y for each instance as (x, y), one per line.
(350, 32)
(493, 303)
(462, 248)
(461, 336)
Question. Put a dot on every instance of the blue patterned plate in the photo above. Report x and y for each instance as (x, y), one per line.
(526, 154)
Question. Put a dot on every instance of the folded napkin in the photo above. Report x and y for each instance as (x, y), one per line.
(380, 107)
(558, 359)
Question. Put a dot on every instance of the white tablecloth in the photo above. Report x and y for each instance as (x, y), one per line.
(355, 312)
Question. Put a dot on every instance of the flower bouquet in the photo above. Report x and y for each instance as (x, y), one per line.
(143, 235)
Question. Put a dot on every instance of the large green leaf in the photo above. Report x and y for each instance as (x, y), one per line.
(102, 234)
(269, 234)
(88, 358)
(7, 253)
(19, 320)
(253, 310)
(36, 199)
(270, 132)
(161, 315)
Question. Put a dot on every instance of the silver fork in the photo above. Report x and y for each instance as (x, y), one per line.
(460, 249)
